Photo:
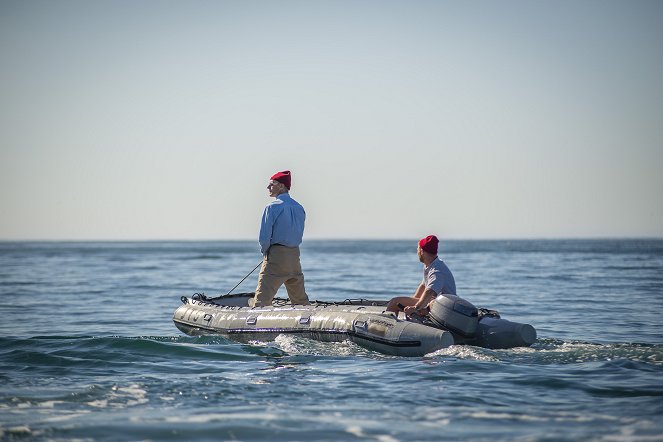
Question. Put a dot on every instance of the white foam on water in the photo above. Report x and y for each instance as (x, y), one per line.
(121, 397)
(20, 430)
(65, 417)
(563, 416)
(99, 403)
(357, 431)
(627, 434)
(430, 417)
(260, 382)
(135, 394)
(560, 417)
(505, 416)
(465, 352)
(216, 417)
(50, 404)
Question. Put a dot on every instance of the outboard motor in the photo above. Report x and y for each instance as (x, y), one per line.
(455, 314)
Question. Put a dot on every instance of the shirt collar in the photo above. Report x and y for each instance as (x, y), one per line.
(437, 258)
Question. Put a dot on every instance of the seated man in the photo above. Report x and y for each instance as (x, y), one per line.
(437, 280)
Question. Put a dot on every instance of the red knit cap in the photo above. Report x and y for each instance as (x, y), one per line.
(282, 177)
(429, 244)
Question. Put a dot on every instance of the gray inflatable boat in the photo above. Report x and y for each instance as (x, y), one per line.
(452, 320)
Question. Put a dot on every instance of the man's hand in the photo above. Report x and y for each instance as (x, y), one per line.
(410, 309)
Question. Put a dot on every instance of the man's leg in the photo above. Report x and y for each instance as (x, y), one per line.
(294, 282)
(296, 291)
(268, 285)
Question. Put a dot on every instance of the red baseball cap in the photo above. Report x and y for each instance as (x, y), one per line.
(429, 244)
(283, 177)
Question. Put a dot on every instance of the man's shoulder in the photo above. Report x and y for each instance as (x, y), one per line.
(290, 201)
(276, 204)
(282, 201)
(439, 265)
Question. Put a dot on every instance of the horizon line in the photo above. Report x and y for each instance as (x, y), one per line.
(317, 239)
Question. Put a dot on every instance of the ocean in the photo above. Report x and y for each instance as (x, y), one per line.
(88, 349)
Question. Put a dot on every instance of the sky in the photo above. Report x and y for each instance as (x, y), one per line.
(159, 120)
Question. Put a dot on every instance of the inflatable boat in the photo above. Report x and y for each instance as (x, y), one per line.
(451, 320)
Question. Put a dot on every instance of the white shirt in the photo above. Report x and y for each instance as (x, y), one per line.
(438, 278)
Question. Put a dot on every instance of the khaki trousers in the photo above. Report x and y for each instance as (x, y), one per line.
(280, 266)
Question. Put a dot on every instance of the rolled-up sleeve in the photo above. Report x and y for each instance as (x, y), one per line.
(435, 282)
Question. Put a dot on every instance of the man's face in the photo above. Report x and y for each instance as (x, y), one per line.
(420, 254)
(274, 188)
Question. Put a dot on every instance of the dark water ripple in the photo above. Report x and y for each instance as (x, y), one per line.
(88, 350)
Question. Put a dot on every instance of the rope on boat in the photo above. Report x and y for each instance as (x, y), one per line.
(199, 297)
(247, 275)
(282, 302)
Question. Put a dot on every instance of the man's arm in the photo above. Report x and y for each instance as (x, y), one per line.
(424, 300)
(420, 291)
(266, 226)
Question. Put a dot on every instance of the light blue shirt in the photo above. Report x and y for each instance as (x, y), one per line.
(282, 223)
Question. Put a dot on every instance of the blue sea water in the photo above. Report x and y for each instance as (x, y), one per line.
(88, 349)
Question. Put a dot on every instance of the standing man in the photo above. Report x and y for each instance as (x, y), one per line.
(437, 280)
(281, 234)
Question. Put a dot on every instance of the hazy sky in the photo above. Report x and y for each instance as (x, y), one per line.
(469, 119)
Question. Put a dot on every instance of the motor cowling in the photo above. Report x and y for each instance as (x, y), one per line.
(455, 314)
